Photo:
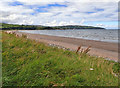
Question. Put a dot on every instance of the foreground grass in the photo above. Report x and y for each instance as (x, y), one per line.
(29, 63)
(0, 58)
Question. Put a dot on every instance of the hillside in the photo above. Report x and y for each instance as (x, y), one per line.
(29, 63)
(5, 26)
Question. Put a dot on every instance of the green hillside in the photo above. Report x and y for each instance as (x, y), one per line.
(39, 27)
(29, 63)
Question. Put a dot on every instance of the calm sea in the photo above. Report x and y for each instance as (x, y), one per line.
(91, 34)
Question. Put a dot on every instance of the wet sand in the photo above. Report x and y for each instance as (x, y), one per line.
(106, 50)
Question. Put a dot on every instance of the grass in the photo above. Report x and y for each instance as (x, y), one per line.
(29, 63)
(0, 58)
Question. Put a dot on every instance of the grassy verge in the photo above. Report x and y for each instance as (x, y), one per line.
(0, 58)
(29, 63)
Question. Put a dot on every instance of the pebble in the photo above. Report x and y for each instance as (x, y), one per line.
(111, 60)
(60, 47)
(91, 69)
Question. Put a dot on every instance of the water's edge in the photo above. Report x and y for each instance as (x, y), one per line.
(99, 35)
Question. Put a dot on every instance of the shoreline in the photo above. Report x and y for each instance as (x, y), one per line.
(102, 39)
(106, 50)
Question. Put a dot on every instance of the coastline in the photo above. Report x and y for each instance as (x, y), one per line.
(106, 50)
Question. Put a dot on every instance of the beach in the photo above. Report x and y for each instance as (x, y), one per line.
(106, 50)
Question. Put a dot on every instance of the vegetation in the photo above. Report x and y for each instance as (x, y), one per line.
(77, 27)
(0, 58)
(29, 63)
(38, 27)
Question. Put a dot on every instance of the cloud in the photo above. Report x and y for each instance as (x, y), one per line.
(62, 12)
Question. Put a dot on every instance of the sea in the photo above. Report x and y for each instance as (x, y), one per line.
(106, 35)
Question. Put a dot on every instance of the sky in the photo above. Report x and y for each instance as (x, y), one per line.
(99, 13)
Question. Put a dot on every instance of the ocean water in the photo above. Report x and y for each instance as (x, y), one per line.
(90, 34)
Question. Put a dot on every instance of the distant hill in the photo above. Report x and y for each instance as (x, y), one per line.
(77, 27)
(5, 26)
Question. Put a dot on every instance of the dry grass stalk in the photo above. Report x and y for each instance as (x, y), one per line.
(87, 50)
(78, 49)
(83, 51)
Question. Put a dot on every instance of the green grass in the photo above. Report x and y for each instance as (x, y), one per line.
(0, 58)
(29, 63)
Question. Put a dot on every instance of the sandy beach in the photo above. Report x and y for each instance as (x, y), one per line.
(106, 50)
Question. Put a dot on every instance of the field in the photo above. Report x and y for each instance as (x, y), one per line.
(30, 63)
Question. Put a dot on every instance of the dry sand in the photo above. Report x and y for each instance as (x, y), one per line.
(101, 49)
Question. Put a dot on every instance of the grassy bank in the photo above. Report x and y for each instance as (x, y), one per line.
(29, 63)
(0, 58)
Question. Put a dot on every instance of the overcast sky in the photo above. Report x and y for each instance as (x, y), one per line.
(60, 12)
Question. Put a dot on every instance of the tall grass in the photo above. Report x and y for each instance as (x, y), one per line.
(30, 63)
(0, 58)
